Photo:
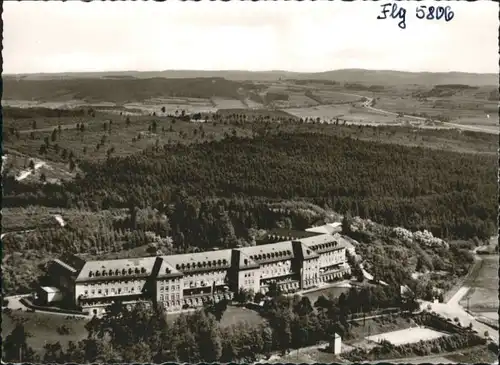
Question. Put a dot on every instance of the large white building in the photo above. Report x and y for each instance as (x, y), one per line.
(189, 280)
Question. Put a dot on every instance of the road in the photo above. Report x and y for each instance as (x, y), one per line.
(50, 129)
(368, 102)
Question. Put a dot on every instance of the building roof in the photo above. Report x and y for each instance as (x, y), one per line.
(345, 241)
(323, 243)
(50, 289)
(70, 262)
(289, 234)
(278, 251)
(329, 228)
(308, 253)
(166, 269)
(245, 262)
(120, 268)
(200, 261)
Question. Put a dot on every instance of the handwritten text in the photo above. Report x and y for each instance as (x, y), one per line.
(395, 11)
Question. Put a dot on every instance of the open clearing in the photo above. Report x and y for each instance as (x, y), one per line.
(233, 315)
(335, 292)
(409, 335)
(346, 112)
(483, 295)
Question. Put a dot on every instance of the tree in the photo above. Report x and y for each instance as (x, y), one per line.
(53, 353)
(274, 290)
(163, 109)
(32, 165)
(346, 224)
(43, 178)
(15, 347)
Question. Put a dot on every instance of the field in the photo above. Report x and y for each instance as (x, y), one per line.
(483, 295)
(409, 335)
(333, 97)
(464, 109)
(352, 114)
(43, 327)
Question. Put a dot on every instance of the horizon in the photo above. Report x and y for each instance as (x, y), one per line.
(243, 36)
(248, 71)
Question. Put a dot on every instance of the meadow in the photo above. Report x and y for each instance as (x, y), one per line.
(43, 327)
(483, 295)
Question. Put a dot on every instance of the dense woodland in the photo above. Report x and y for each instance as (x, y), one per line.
(451, 194)
(121, 90)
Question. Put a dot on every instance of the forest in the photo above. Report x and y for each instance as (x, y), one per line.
(453, 195)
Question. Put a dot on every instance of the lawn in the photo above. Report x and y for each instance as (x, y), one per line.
(235, 314)
(43, 327)
(232, 315)
(313, 296)
(483, 295)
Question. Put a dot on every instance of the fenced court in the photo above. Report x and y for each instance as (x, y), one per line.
(409, 335)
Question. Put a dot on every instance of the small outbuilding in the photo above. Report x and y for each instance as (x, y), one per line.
(50, 294)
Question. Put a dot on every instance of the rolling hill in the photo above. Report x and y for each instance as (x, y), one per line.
(385, 77)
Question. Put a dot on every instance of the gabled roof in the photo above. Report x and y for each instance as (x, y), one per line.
(323, 243)
(164, 270)
(245, 262)
(70, 262)
(140, 267)
(272, 252)
(308, 253)
(200, 261)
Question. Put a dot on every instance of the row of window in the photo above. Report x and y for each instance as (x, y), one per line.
(114, 283)
(172, 297)
(171, 304)
(208, 273)
(117, 272)
(107, 291)
(167, 288)
(213, 263)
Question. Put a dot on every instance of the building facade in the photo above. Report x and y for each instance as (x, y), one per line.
(189, 280)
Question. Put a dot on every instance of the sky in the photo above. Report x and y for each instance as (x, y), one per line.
(244, 35)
